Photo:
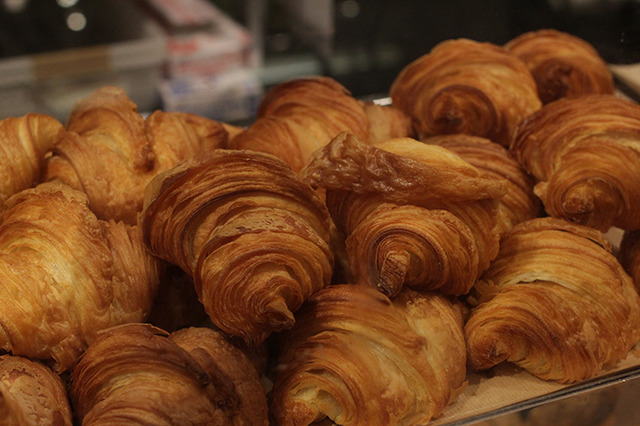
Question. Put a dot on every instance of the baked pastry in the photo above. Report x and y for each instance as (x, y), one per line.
(140, 374)
(66, 275)
(24, 143)
(563, 65)
(111, 152)
(387, 122)
(519, 202)
(555, 302)
(585, 155)
(412, 214)
(253, 236)
(31, 394)
(297, 117)
(360, 358)
(465, 86)
(629, 255)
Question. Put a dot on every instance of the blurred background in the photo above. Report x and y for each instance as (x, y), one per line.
(218, 57)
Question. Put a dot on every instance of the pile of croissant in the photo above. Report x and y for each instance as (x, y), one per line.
(336, 260)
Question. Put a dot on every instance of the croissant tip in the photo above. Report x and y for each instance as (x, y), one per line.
(393, 272)
(279, 314)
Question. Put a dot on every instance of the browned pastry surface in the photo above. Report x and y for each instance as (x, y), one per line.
(464, 86)
(519, 202)
(563, 65)
(361, 358)
(412, 214)
(401, 170)
(555, 301)
(111, 152)
(139, 374)
(254, 237)
(585, 154)
(387, 122)
(297, 117)
(31, 394)
(24, 142)
(66, 275)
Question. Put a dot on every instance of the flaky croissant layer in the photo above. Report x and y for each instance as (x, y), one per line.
(66, 275)
(585, 155)
(412, 214)
(254, 237)
(556, 302)
(359, 358)
(111, 152)
(31, 394)
(139, 374)
(563, 65)
(24, 143)
(464, 86)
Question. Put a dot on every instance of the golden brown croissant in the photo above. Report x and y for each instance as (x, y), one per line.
(254, 237)
(519, 202)
(24, 142)
(563, 65)
(629, 255)
(31, 394)
(66, 275)
(585, 155)
(387, 122)
(412, 214)
(297, 117)
(140, 374)
(360, 358)
(555, 301)
(111, 152)
(464, 86)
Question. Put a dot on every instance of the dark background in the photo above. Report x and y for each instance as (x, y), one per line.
(368, 48)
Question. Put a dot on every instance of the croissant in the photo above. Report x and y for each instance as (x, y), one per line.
(629, 255)
(585, 155)
(140, 374)
(24, 142)
(413, 214)
(519, 202)
(31, 394)
(111, 152)
(464, 86)
(66, 275)
(360, 358)
(555, 302)
(253, 236)
(387, 122)
(562, 65)
(297, 117)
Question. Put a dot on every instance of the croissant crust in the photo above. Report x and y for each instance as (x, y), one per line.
(67, 275)
(111, 152)
(563, 65)
(464, 86)
(555, 301)
(31, 393)
(253, 236)
(136, 373)
(585, 155)
(359, 358)
(412, 214)
(24, 143)
(297, 117)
